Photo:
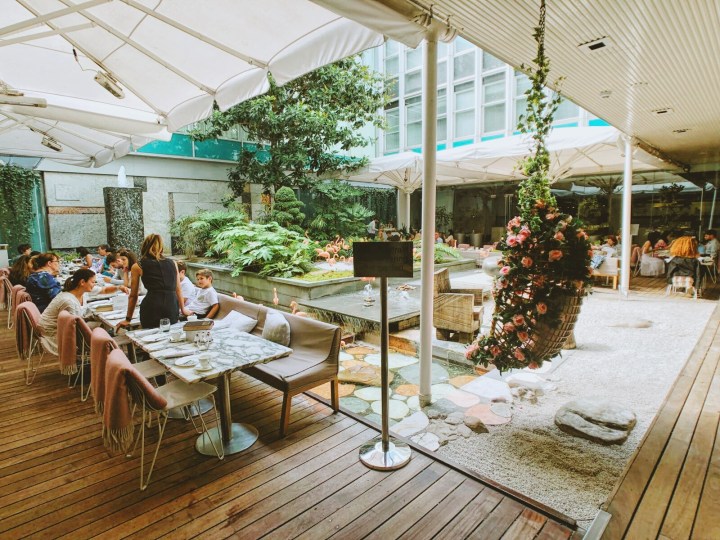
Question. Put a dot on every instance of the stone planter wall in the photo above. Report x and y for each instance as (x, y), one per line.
(260, 289)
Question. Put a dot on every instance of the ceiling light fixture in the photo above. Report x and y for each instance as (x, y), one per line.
(51, 143)
(11, 96)
(605, 94)
(596, 45)
(110, 84)
(681, 130)
(663, 111)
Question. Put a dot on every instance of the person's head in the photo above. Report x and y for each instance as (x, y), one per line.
(83, 280)
(710, 234)
(182, 269)
(23, 249)
(611, 240)
(20, 267)
(653, 237)
(126, 258)
(111, 259)
(83, 251)
(685, 246)
(34, 253)
(46, 261)
(204, 278)
(152, 247)
(104, 249)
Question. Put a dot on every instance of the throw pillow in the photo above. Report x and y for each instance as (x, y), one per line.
(276, 328)
(240, 321)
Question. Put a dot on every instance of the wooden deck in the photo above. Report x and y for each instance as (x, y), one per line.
(671, 487)
(57, 481)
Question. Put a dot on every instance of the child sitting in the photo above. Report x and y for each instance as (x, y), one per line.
(206, 303)
(186, 286)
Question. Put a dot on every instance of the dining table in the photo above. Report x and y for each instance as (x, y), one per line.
(229, 350)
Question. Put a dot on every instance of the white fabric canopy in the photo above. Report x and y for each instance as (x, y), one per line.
(172, 59)
(82, 146)
(573, 152)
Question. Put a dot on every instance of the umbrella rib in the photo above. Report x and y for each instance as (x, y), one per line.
(41, 35)
(41, 19)
(57, 127)
(175, 24)
(97, 61)
(143, 50)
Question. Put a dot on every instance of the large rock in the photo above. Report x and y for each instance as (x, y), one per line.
(489, 389)
(359, 372)
(530, 381)
(412, 373)
(596, 419)
(411, 425)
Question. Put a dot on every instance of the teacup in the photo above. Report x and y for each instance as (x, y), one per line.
(204, 361)
(176, 335)
(192, 318)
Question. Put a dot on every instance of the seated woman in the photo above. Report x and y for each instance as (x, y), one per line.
(71, 300)
(684, 262)
(649, 264)
(20, 270)
(41, 284)
(85, 257)
(610, 246)
(450, 239)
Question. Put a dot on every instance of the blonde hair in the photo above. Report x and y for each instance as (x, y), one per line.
(152, 247)
(205, 272)
(685, 246)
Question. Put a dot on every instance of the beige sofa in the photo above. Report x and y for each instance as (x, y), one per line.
(314, 360)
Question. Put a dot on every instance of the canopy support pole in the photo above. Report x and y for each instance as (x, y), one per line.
(712, 208)
(428, 216)
(626, 241)
(407, 210)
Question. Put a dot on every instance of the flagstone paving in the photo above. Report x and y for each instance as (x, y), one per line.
(463, 403)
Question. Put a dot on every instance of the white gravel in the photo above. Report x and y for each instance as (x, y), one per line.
(634, 367)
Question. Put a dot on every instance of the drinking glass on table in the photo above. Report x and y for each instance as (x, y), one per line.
(164, 325)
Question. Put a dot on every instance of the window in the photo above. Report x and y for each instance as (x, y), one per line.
(442, 115)
(392, 131)
(462, 44)
(413, 120)
(392, 69)
(413, 58)
(522, 84)
(464, 65)
(489, 62)
(464, 109)
(567, 110)
(494, 103)
(413, 82)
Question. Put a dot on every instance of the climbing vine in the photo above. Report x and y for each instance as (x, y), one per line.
(16, 215)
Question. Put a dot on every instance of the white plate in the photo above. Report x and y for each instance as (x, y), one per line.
(186, 362)
(201, 369)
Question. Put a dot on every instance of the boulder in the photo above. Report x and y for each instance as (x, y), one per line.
(530, 381)
(411, 425)
(455, 418)
(596, 419)
(489, 389)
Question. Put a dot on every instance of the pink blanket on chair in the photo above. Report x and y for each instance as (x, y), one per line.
(100, 346)
(5, 286)
(27, 320)
(67, 326)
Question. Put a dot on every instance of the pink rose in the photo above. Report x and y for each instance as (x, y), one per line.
(495, 350)
(519, 355)
(533, 365)
(523, 235)
(509, 327)
(559, 236)
(471, 350)
(581, 235)
(518, 319)
(523, 336)
(505, 270)
(526, 262)
(555, 255)
(512, 241)
(540, 203)
(542, 308)
(549, 217)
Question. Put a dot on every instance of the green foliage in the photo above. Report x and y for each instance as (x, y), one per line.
(443, 218)
(286, 210)
(442, 252)
(382, 202)
(195, 233)
(303, 123)
(268, 249)
(16, 187)
(337, 211)
(672, 207)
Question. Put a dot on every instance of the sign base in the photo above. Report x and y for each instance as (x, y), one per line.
(373, 457)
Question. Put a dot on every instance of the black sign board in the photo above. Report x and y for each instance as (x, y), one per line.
(383, 259)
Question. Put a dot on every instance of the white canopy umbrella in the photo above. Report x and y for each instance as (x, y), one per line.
(63, 141)
(573, 152)
(168, 59)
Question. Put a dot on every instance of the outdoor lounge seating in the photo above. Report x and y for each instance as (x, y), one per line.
(608, 269)
(314, 360)
(456, 312)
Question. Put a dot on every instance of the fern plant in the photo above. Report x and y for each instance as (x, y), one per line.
(337, 211)
(195, 233)
(268, 249)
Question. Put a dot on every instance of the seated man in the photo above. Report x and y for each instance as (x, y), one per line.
(206, 302)
(712, 245)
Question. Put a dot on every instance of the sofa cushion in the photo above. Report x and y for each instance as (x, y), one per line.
(287, 374)
(240, 322)
(254, 311)
(276, 328)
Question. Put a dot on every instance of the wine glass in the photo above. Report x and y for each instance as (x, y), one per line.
(164, 325)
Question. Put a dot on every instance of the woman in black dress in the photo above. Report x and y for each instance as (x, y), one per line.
(160, 277)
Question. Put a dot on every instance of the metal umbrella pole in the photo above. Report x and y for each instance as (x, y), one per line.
(384, 453)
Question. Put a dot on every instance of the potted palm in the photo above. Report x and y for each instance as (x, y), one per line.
(544, 270)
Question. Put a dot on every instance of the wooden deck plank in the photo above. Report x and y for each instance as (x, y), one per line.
(527, 525)
(499, 521)
(58, 481)
(474, 513)
(552, 530)
(706, 520)
(650, 512)
(680, 516)
(628, 492)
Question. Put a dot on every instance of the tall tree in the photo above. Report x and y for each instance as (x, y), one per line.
(303, 125)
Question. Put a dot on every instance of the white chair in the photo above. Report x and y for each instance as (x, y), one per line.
(710, 265)
(159, 401)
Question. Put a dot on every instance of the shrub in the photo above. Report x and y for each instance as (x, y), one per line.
(195, 233)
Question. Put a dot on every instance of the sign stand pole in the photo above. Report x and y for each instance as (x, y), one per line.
(384, 453)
